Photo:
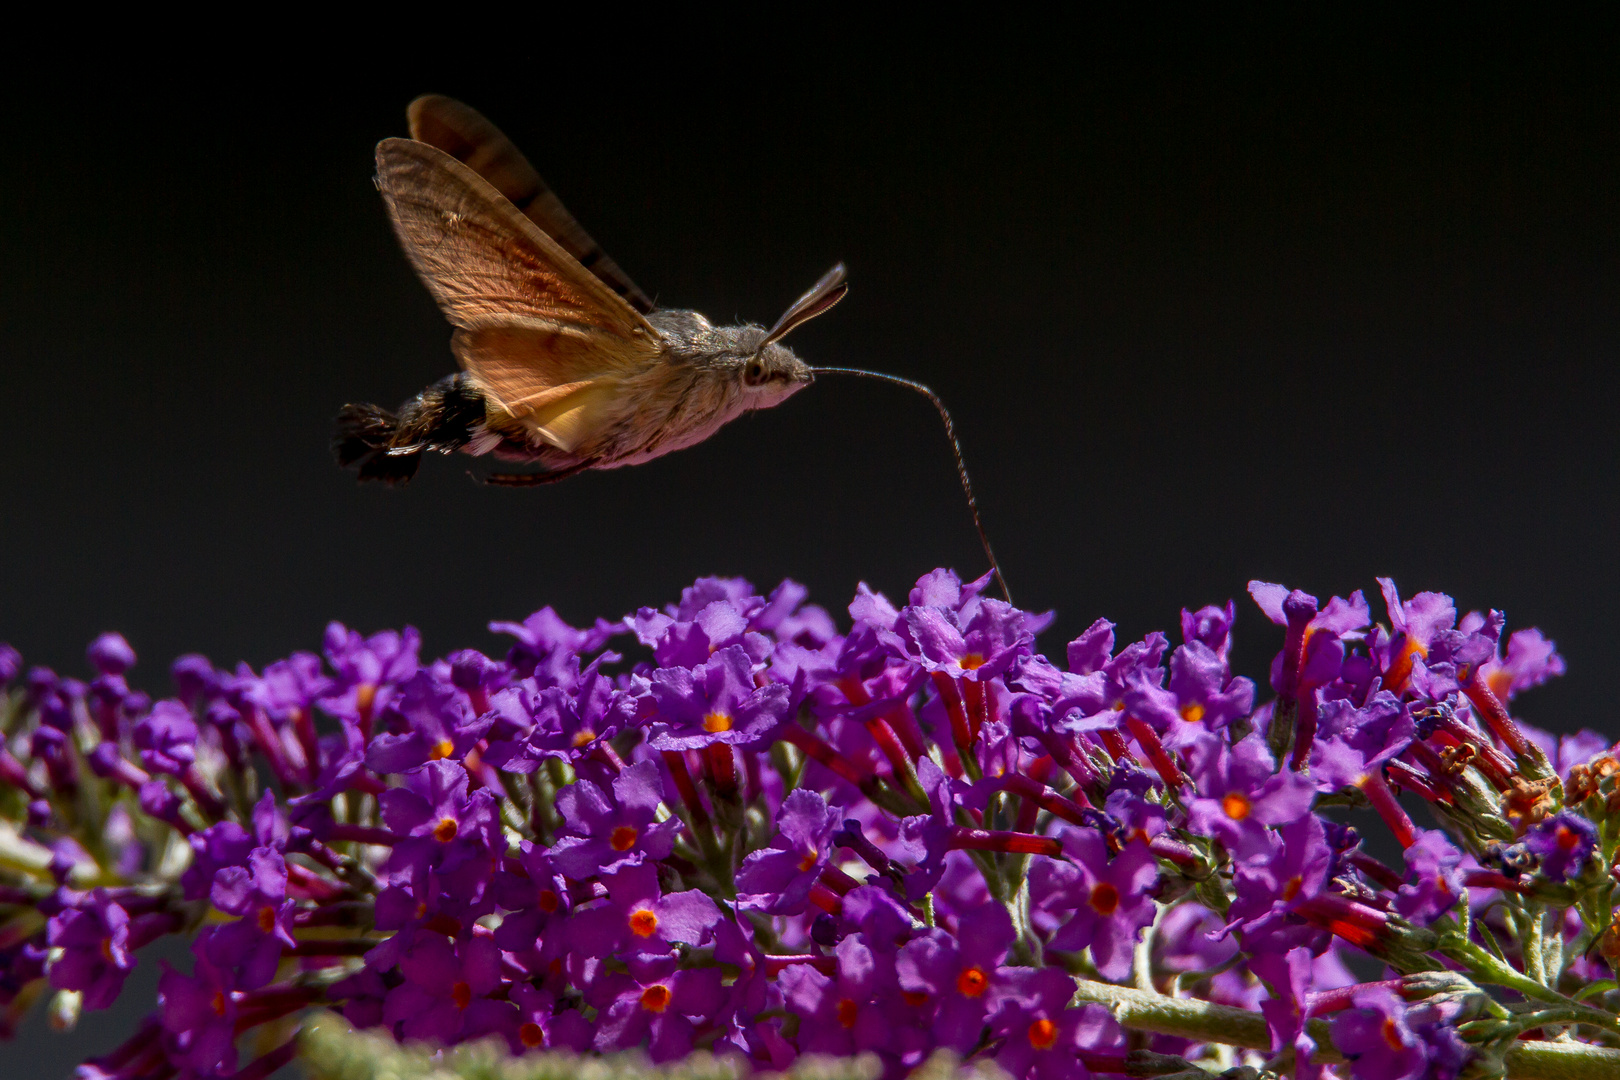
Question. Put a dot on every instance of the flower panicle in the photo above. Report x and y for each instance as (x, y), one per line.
(777, 837)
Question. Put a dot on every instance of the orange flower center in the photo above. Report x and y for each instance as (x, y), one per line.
(1291, 890)
(622, 838)
(808, 861)
(1104, 898)
(847, 1012)
(1392, 1034)
(655, 998)
(218, 1003)
(461, 995)
(106, 949)
(267, 919)
(1192, 713)
(1236, 804)
(716, 722)
(972, 982)
(549, 900)
(972, 661)
(441, 750)
(643, 922)
(583, 736)
(532, 1035)
(1568, 838)
(914, 998)
(1042, 1034)
(445, 830)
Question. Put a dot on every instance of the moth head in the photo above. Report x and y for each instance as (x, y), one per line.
(772, 372)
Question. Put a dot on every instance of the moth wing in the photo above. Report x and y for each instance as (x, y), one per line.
(463, 132)
(553, 379)
(483, 260)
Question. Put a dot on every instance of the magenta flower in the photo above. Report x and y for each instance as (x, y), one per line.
(445, 993)
(960, 973)
(640, 918)
(1385, 1040)
(778, 878)
(607, 833)
(97, 955)
(655, 1004)
(1564, 843)
(715, 703)
(1106, 900)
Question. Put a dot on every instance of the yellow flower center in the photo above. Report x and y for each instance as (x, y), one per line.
(716, 722)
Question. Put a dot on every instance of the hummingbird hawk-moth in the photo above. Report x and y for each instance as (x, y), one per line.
(565, 362)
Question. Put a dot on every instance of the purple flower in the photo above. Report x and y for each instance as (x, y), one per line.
(1108, 898)
(655, 1003)
(530, 725)
(840, 1014)
(1040, 1036)
(434, 805)
(1531, 660)
(167, 738)
(1273, 883)
(1239, 795)
(445, 995)
(1202, 696)
(368, 670)
(439, 725)
(639, 918)
(1434, 878)
(1289, 977)
(110, 654)
(199, 1011)
(1564, 843)
(715, 703)
(1382, 1043)
(11, 662)
(607, 833)
(544, 635)
(960, 973)
(1210, 626)
(777, 879)
(96, 949)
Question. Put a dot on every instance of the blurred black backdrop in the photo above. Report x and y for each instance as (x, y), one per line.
(1212, 299)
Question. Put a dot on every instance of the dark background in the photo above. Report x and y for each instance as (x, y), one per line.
(1211, 300)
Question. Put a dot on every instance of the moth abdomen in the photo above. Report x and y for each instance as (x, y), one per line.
(388, 446)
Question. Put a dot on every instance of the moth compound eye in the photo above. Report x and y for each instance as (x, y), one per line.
(754, 373)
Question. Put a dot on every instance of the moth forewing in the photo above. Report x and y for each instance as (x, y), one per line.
(463, 132)
(480, 257)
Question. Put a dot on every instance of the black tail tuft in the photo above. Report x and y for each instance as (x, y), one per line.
(388, 447)
(364, 435)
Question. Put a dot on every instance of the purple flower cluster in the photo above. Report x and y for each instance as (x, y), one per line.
(772, 837)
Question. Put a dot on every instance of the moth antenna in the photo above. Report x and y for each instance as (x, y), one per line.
(956, 448)
(818, 301)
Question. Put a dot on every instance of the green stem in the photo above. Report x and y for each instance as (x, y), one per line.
(1205, 1021)
(1486, 968)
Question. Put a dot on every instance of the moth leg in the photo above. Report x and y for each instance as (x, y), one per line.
(536, 479)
